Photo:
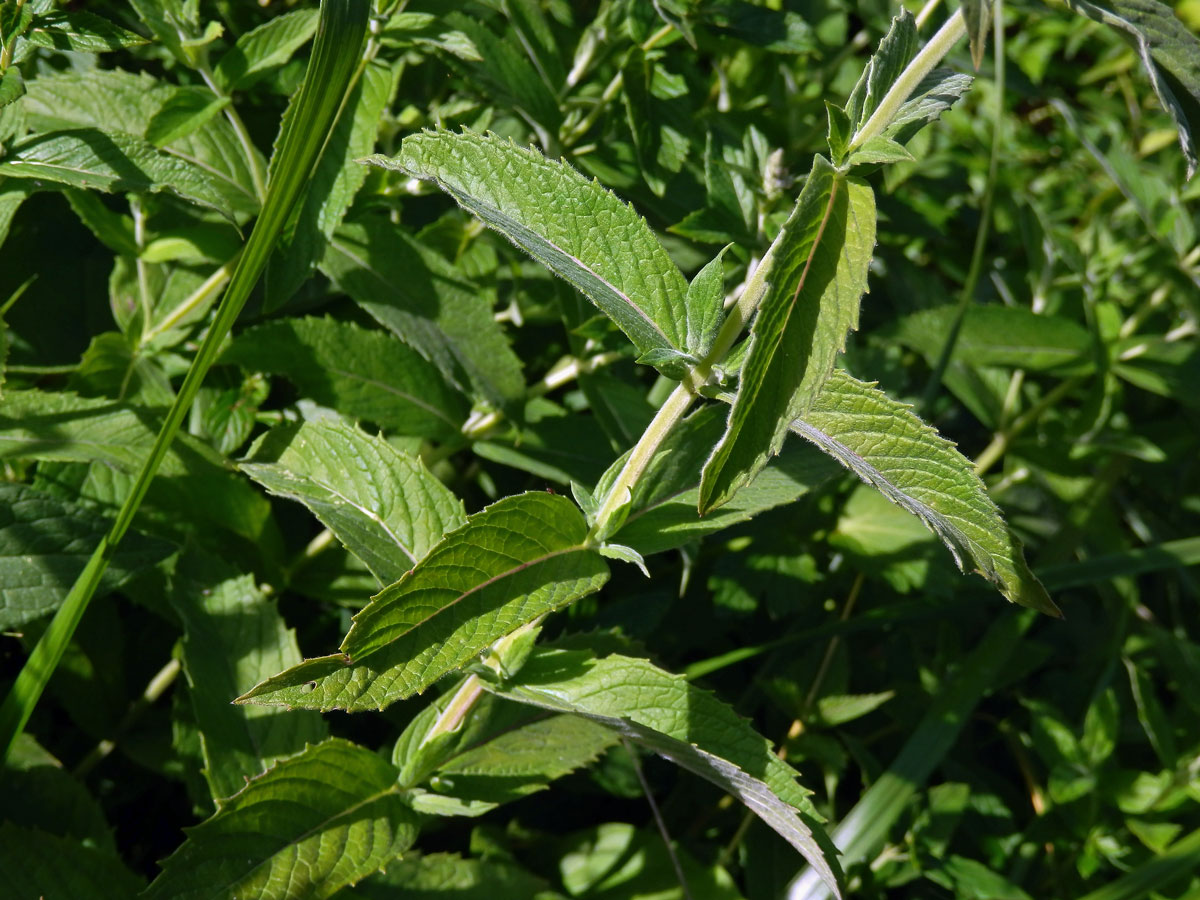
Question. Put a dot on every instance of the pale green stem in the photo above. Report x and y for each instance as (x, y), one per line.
(209, 288)
(139, 235)
(922, 64)
(1000, 442)
(456, 710)
(926, 11)
(6, 53)
(158, 685)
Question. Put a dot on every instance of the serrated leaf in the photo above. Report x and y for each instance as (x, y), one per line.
(261, 49)
(184, 113)
(421, 297)
(937, 92)
(109, 161)
(1170, 53)
(705, 306)
(63, 29)
(407, 28)
(887, 446)
(517, 560)
(233, 637)
(12, 86)
(363, 373)
(586, 235)
(44, 544)
(978, 16)
(879, 150)
(688, 726)
(895, 51)
(815, 275)
(309, 826)
(448, 876)
(41, 866)
(385, 507)
(333, 184)
(672, 363)
(663, 513)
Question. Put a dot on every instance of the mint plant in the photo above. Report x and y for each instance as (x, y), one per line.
(409, 398)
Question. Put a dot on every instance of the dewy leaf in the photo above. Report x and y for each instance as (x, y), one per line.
(385, 507)
(62, 29)
(887, 446)
(37, 864)
(895, 51)
(111, 162)
(817, 273)
(1170, 53)
(517, 560)
(309, 826)
(421, 297)
(233, 637)
(44, 544)
(663, 514)
(683, 723)
(364, 373)
(575, 227)
(263, 48)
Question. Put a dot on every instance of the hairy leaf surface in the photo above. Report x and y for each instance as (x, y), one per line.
(520, 558)
(309, 826)
(886, 445)
(575, 227)
(385, 507)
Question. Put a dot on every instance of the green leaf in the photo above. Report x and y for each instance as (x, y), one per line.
(233, 637)
(44, 544)
(838, 133)
(1170, 53)
(879, 150)
(887, 446)
(266, 47)
(815, 274)
(12, 86)
(63, 29)
(978, 16)
(448, 876)
(38, 792)
(838, 709)
(684, 724)
(895, 51)
(384, 506)
(937, 92)
(705, 306)
(183, 114)
(585, 235)
(111, 162)
(999, 336)
(363, 373)
(517, 560)
(421, 297)
(663, 512)
(41, 866)
(169, 23)
(309, 826)
(333, 184)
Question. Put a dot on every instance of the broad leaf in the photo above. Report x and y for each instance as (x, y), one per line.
(421, 297)
(1170, 53)
(683, 723)
(705, 307)
(384, 506)
(184, 113)
(363, 373)
(309, 826)
(108, 161)
(887, 446)
(815, 273)
(233, 637)
(12, 86)
(44, 544)
(263, 48)
(42, 866)
(448, 876)
(517, 560)
(81, 31)
(585, 234)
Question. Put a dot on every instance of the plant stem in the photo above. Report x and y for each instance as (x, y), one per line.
(922, 64)
(210, 286)
(1002, 439)
(158, 685)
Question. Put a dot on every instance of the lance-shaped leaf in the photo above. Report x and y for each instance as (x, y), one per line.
(385, 507)
(937, 92)
(683, 723)
(978, 15)
(233, 637)
(309, 826)
(895, 51)
(887, 446)
(1170, 53)
(817, 273)
(259, 50)
(575, 227)
(517, 560)
(363, 373)
(44, 544)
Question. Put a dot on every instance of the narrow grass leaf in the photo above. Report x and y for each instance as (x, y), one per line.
(261, 49)
(309, 826)
(363, 373)
(384, 506)
(44, 544)
(519, 559)
(41, 866)
(883, 442)
(233, 637)
(575, 227)
(817, 274)
(684, 724)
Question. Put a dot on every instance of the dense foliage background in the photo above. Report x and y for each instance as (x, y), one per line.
(1011, 756)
